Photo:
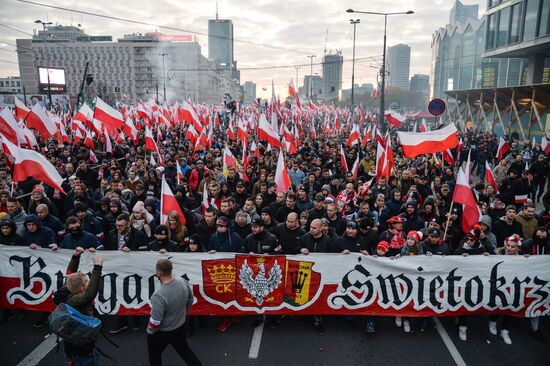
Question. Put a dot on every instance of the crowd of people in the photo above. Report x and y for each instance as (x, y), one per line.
(114, 204)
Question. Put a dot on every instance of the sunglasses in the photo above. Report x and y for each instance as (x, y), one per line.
(471, 240)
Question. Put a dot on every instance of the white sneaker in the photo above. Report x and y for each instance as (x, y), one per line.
(406, 326)
(462, 333)
(398, 321)
(505, 335)
(493, 328)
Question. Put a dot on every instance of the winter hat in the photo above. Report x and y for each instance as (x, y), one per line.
(513, 237)
(510, 207)
(326, 186)
(416, 235)
(486, 220)
(139, 207)
(383, 245)
(222, 221)
(396, 220)
(38, 188)
(161, 230)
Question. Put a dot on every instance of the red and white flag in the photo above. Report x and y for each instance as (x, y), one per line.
(10, 128)
(85, 115)
(150, 143)
(424, 126)
(21, 110)
(282, 179)
(130, 130)
(395, 119)
(448, 157)
(88, 140)
(205, 201)
(292, 92)
(41, 122)
(417, 143)
(353, 137)
(503, 148)
(107, 142)
(343, 161)
(464, 195)
(107, 115)
(490, 177)
(169, 203)
(355, 168)
(545, 145)
(266, 133)
(229, 159)
(93, 157)
(189, 115)
(29, 163)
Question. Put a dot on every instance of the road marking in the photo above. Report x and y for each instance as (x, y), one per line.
(39, 352)
(449, 344)
(256, 341)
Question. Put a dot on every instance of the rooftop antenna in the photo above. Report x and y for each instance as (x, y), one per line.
(216, 9)
(326, 40)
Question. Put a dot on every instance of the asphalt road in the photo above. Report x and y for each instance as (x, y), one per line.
(294, 342)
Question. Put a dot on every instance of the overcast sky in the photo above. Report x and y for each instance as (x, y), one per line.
(297, 28)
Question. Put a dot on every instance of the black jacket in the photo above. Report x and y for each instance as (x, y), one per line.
(356, 244)
(137, 240)
(264, 243)
(316, 245)
(169, 245)
(288, 239)
(438, 249)
(13, 238)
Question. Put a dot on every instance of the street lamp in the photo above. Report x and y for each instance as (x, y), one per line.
(354, 22)
(383, 72)
(163, 75)
(44, 24)
(310, 75)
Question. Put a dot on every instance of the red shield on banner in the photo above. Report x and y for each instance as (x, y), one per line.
(260, 280)
(302, 282)
(218, 278)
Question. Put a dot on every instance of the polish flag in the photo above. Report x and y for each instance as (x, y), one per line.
(189, 115)
(282, 179)
(84, 114)
(464, 195)
(107, 115)
(9, 127)
(229, 159)
(93, 157)
(88, 140)
(545, 145)
(273, 109)
(503, 148)
(29, 137)
(417, 143)
(292, 92)
(355, 168)
(245, 165)
(266, 133)
(384, 159)
(343, 161)
(205, 201)
(353, 137)
(448, 157)
(153, 163)
(29, 163)
(107, 142)
(21, 110)
(39, 120)
(191, 134)
(150, 143)
(395, 119)
(130, 130)
(490, 177)
(77, 136)
(241, 130)
(231, 130)
(169, 203)
(254, 149)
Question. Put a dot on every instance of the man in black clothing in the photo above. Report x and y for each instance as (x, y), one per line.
(318, 210)
(434, 245)
(289, 233)
(506, 226)
(351, 241)
(162, 243)
(336, 221)
(315, 242)
(207, 226)
(290, 206)
(539, 169)
(269, 221)
(260, 241)
(240, 195)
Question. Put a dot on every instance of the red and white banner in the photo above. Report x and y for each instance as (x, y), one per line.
(229, 284)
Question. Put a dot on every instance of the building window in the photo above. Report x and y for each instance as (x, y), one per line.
(491, 31)
(544, 27)
(515, 17)
(530, 25)
(502, 36)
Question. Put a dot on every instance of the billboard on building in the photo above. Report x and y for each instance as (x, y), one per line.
(57, 81)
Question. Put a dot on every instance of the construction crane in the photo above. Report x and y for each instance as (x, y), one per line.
(326, 40)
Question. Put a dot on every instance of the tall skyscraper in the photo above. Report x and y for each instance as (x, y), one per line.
(420, 83)
(332, 75)
(249, 92)
(398, 59)
(220, 43)
(461, 13)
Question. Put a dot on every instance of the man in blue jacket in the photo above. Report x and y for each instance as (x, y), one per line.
(224, 239)
(77, 237)
(38, 236)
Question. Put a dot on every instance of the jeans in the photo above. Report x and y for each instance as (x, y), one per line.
(90, 360)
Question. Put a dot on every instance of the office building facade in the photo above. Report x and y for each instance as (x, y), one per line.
(460, 13)
(11, 84)
(420, 83)
(128, 70)
(398, 63)
(249, 88)
(332, 76)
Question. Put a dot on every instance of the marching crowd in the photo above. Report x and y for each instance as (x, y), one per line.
(114, 204)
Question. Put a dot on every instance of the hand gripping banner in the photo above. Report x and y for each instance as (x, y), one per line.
(233, 284)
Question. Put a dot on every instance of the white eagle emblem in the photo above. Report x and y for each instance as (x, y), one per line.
(260, 286)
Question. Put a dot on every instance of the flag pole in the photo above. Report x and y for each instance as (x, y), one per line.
(448, 220)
